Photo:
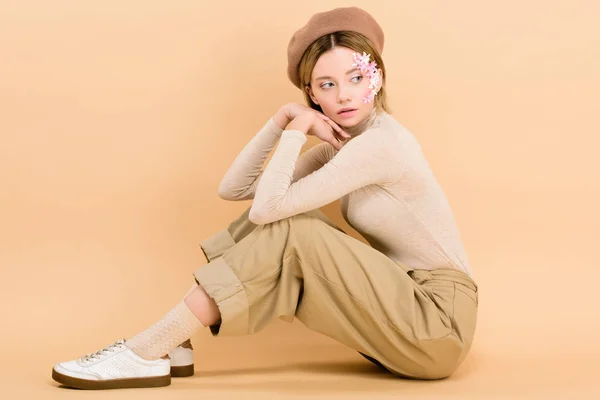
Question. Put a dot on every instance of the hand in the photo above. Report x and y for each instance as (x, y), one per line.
(292, 110)
(288, 112)
(317, 124)
(339, 133)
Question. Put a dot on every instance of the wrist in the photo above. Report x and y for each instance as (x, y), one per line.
(281, 117)
(301, 123)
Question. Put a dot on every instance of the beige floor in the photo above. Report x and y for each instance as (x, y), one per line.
(303, 364)
(537, 335)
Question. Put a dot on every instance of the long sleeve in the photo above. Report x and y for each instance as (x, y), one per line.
(365, 160)
(242, 178)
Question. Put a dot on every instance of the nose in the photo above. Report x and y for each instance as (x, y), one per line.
(343, 95)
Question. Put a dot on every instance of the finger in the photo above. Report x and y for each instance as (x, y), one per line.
(337, 135)
(331, 123)
(344, 134)
(338, 131)
(335, 142)
(323, 116)
(335, 126)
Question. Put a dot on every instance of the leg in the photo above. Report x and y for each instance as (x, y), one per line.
(197, 301)
(214, 246)
(307, 268)
(141, 361)
(182, 357)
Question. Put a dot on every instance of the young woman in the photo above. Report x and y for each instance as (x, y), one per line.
(407, 301)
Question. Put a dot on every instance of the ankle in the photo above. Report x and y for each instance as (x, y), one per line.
(144, 356)
(169, 332)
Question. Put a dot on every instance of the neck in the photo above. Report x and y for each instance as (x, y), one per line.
(363, 125)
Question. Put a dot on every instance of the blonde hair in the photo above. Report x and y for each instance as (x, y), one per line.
(352, 40)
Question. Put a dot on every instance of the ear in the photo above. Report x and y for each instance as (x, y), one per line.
(380, 79)
(311, 94)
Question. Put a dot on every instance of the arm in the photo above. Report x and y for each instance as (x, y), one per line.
(242, 178)
(239, 183)
(363, 161)
(313, 159)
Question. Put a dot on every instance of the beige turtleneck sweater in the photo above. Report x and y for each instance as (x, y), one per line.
(386, 188)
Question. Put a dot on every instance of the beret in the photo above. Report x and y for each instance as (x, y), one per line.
(323, 23)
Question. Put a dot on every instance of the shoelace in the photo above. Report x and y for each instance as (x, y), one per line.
(98, 355)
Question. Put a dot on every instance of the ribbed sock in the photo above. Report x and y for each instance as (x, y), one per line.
(170, 331)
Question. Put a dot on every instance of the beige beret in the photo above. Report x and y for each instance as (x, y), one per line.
(323, 23)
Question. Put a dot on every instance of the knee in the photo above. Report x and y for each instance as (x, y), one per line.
(440, 367)
(314, 219)
(435, 360)
(430, 372)
(309, 222)
(441, 371)
(305, 218)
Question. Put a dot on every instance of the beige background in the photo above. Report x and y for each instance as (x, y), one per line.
(119, 118)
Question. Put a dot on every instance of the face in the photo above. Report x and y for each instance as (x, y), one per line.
(336, 85)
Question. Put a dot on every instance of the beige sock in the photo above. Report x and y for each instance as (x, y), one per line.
(170, 331)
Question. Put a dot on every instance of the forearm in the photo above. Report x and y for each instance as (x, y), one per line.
(239, 183)
(277, 177)
(279, 174)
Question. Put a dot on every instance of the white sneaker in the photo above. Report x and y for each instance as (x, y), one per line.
(114, 367)
(182, 360)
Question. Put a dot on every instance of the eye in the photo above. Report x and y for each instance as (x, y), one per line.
(360, 77)
(324, 85)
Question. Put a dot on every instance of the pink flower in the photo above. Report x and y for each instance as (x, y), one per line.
(369, 68)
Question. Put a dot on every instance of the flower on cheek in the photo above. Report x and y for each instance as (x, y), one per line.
(369, 68)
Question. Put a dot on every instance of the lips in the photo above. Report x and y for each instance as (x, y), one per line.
(343, 110)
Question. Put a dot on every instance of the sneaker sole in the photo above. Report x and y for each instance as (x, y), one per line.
(78, 383)
(182, 371)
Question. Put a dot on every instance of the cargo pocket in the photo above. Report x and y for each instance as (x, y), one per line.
(436, 307)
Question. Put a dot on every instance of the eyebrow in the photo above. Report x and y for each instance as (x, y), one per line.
(347, 73)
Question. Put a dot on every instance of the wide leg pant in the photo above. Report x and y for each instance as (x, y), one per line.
(416, 323)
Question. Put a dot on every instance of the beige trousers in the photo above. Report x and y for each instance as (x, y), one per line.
(415, 323)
